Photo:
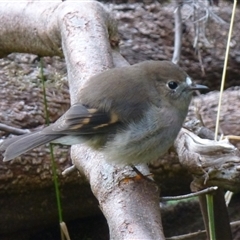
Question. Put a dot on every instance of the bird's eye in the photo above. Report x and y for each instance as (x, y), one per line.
(172, 85)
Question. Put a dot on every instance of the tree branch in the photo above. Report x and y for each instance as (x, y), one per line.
(83, 30)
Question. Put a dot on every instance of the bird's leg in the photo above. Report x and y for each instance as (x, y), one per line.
(138, 176)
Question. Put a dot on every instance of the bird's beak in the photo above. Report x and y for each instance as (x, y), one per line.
(198, 87)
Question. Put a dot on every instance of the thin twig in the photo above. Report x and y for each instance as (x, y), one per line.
(204, 191)
(69, 170)
(178, 34)
(198, 234)
(13, 130)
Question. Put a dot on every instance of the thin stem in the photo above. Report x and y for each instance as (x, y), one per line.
(225, 69)
(53, 163)
(211, 222)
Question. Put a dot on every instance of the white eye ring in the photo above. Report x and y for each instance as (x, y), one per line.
(188, 81)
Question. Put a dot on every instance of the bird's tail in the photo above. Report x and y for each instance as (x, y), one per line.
(18, 145)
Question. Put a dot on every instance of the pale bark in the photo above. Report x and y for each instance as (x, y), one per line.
(84, 31)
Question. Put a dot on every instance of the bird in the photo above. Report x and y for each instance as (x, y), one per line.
(132, 114)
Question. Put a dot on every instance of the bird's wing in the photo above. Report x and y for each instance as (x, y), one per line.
(80, 119)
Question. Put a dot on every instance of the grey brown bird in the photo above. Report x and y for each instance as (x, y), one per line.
(133, 114)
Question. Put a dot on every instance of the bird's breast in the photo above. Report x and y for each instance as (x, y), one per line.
(145, 140)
